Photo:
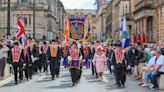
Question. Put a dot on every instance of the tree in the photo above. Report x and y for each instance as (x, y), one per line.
(110, 40)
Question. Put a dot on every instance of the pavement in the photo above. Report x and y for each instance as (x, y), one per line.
(43, 83)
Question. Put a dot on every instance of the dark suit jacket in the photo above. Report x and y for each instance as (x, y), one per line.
(131, 55)
(123, 65)
(11, 61)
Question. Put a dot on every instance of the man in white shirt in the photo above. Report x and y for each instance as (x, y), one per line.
(158, 69)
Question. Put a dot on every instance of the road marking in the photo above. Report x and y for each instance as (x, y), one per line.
(41, 78)
(104, 79)
(6, 81)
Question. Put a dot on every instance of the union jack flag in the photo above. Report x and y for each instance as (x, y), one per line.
(20, 34)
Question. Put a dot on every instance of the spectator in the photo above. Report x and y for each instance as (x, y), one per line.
(3, 49)
(147, 66)
(146, 49)
(157, 70)
(132, 53)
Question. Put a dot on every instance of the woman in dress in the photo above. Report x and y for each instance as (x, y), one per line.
(99, 60)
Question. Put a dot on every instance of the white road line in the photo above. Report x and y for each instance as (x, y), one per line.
(105, 80)
(41, 78)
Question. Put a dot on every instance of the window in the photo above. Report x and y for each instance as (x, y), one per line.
(90, 21)
(25, 19)
(24, 1)
(126, 9)
(49, 35)
(29, 20)
(89, 16)
(123, 10)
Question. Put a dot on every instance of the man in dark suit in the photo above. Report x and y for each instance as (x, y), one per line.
(119, 59)
(54, 55)
(132, 54)
(31, 48)
(16, 59)
(36, 56)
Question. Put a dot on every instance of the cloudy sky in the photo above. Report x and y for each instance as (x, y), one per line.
(78, 4)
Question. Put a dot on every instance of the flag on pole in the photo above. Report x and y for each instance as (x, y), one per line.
(124, 36)
(20, 34)
(65, 36)
(88, 33)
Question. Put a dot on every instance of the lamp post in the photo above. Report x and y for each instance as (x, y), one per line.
(34, 19)
(8, 20)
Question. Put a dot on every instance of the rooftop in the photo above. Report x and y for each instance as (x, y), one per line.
(84, 11)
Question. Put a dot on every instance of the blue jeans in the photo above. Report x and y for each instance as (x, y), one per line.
(153, 77)
(86, 62)
(65, 62)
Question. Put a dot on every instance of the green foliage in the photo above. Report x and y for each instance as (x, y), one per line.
(110, 40)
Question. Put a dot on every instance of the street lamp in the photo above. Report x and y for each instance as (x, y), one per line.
(34, 19)
(8, 20)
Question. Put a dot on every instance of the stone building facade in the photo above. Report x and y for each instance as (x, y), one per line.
(158, 21)
(109, 16)
(89, 14)
(47, 20)
(101, 21)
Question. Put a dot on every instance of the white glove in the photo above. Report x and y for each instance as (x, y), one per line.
(48, 61)
(24, 65)
(62, 59)
(129, 66)
(83, 60)
(107, 58)
(40, 52)
(10, 65)
(94, 63)
(69, 58)
(105, 63)
(112, 67)
(89, 60)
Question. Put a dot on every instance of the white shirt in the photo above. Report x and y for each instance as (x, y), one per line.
(151, 61)
(160, 61)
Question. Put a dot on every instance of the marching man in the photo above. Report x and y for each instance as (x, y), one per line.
(65, 50)
(54, 55)
(16, 59)
(119, 59)
(75, 60)
(87, 54)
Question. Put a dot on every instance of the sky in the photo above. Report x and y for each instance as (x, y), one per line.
(78, 4)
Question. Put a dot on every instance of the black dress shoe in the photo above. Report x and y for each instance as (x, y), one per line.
(16, 83)
(92, 73)
(118, 86)
(52, 79)
(73, 84)
(30, 77)
(123, 85)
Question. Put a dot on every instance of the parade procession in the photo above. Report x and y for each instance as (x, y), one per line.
(116, 47)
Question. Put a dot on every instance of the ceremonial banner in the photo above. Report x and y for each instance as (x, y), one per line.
(75, 64)
(88, 33)
(76, 29)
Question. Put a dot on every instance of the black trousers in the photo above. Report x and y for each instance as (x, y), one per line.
(109, 66)
(35, 66)
(16, 66)
(54, 70)
(40, 65)
(26, 71)
(30, 70)
(93, 69)
(74, 74)
(44, 65)
(120, 74)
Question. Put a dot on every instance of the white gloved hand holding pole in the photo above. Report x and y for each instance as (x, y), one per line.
(10, 65)
(83, 60)
(24, 65)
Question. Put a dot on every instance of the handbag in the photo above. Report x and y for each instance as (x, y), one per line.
(105, 68)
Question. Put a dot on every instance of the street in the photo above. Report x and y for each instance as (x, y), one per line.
(42, 83)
